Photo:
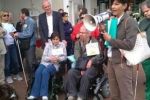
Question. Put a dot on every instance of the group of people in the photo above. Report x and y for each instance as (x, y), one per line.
(60, 39)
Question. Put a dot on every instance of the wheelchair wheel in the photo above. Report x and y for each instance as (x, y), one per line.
(106, 90)
(98, 97)
(53, 97)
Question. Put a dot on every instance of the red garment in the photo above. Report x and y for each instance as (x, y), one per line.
(76, 30)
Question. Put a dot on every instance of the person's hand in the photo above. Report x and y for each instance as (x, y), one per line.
(89, 64)
(65, 42)
(106, 36)
(82, 72)
(54, 59)
(12, 34)
(16, 35)
(102, 27)
(77, 36)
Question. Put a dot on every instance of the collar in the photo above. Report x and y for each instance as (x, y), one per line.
(120, 18)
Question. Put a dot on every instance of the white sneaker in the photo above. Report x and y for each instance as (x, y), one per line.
(9, 80)
(31, 97)
(79, 98)
(18, 77)
(44, 98)
(71, 98)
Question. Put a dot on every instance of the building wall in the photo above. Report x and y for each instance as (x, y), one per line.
(34, 6)
(1, 4)
(14, 6)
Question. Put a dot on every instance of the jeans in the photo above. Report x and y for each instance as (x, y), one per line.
(41, 82)
(11, 60)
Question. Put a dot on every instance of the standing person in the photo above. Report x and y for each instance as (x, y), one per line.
(28, 31)
(2, 55)
(54, 53)
(49, 22)
(11, 59)
(67, 32)
(119, 73)
(144, 25)
(61, 11)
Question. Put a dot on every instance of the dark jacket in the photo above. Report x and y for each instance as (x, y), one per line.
(57, 26)
(144, 25)
(126, 37)
(67, 30)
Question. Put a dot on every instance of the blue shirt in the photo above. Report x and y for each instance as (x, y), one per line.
(28, 30)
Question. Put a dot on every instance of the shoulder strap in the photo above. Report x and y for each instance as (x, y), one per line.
(126, 25)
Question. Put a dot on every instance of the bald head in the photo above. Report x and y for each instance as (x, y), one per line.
(84, 33)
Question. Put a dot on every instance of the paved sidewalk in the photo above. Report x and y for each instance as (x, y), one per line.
(20, 87)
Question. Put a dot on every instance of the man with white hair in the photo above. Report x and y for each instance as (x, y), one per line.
(49, 22)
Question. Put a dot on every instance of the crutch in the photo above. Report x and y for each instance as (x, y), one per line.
(24, 74)
(137, 73)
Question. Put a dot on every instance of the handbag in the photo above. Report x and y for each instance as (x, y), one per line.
(140, 52)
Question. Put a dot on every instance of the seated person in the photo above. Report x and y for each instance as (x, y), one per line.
(54, 53)
(82, 77)
(7, 93)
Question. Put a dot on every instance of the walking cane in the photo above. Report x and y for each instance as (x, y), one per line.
(24, 74)
(137, 73)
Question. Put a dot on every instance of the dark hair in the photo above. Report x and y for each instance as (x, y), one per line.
(7, 93)
(124, 2)
(84, 10)
(64, 13)
(25, 11)
(59, 10)
(80, 16)
(146, 2)
(55, 34)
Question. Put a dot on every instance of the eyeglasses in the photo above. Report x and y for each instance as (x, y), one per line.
(6, 15)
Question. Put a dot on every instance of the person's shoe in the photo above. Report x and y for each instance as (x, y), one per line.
(44, 98)
(31, 97)
(71, 98)
(9, 80)
(18, 77)
(79, 98)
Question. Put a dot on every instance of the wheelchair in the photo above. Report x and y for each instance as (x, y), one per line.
(55, 84)
(100, 88)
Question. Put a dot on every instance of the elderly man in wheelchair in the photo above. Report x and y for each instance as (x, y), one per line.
(88, 55)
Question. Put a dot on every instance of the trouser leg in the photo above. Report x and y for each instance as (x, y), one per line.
(73, 78)
(47, 74)
(146, 68)
(90, 74)
(37, 81)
